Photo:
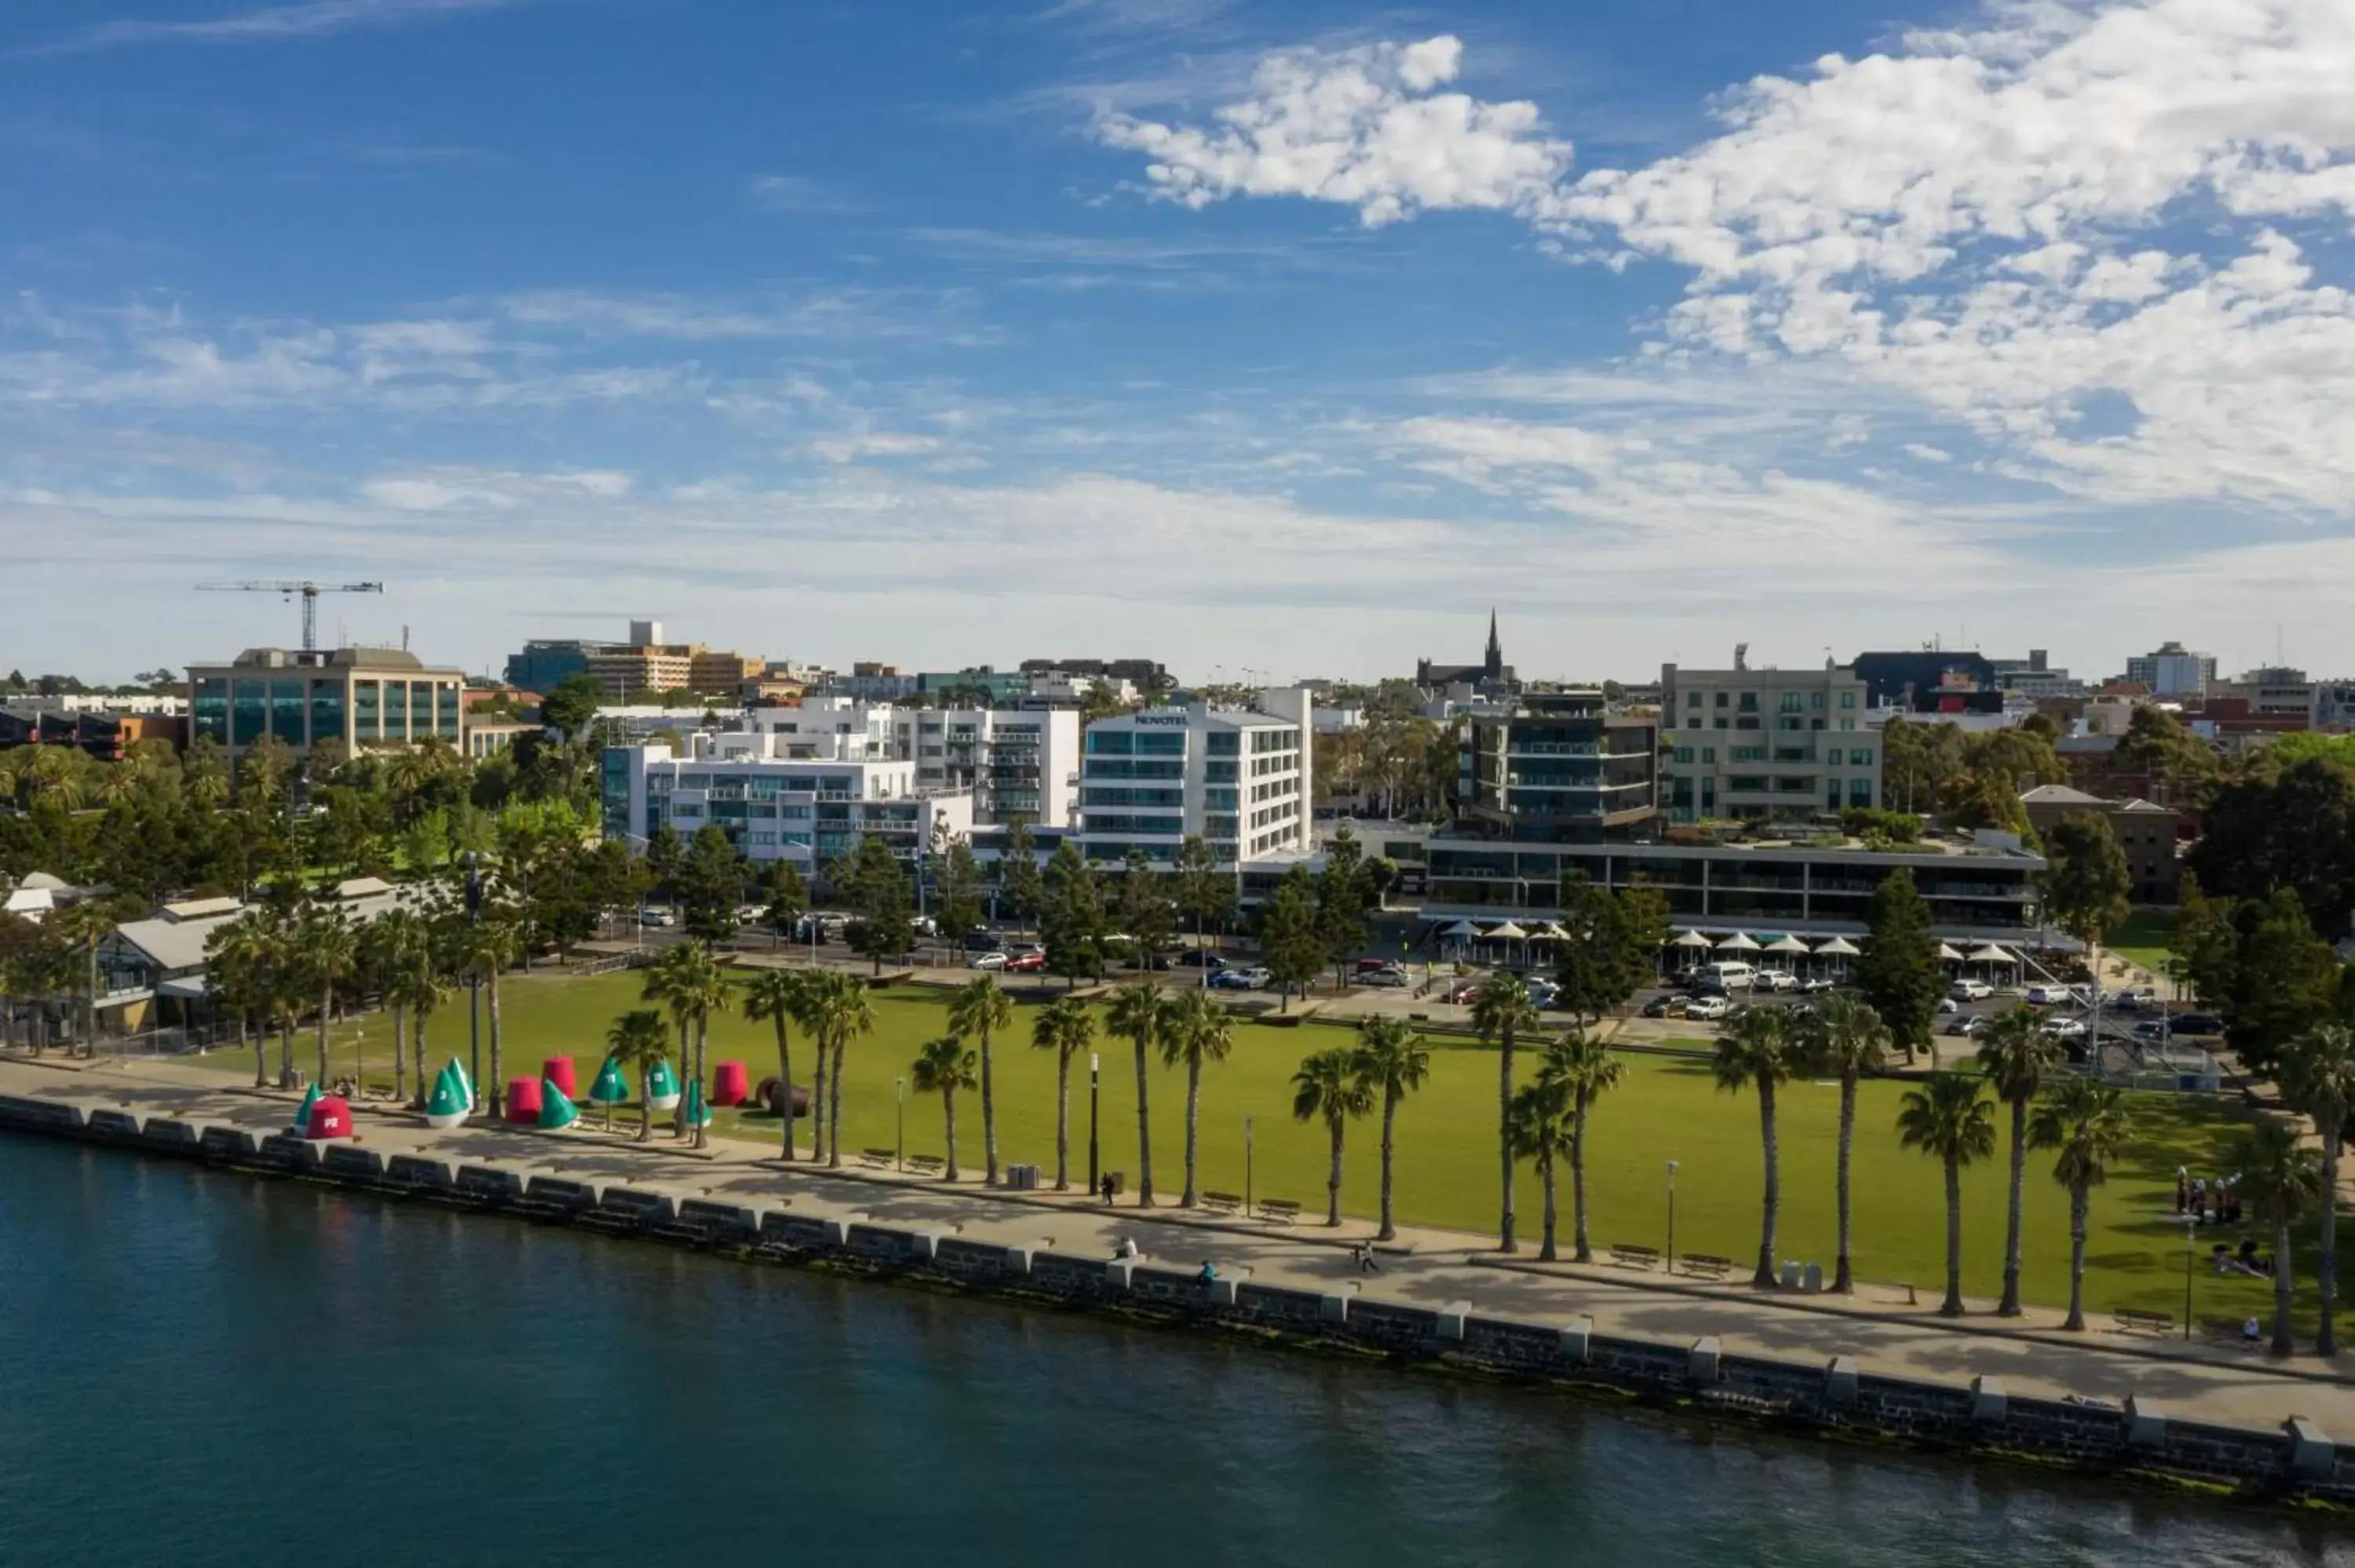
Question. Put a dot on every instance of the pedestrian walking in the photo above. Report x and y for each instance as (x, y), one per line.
(1108, 1188)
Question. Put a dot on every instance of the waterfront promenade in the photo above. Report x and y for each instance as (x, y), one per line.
(2197, 1382)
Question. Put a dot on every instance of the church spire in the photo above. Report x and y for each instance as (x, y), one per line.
(1494, 662)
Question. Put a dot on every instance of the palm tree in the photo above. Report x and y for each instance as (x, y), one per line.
(2318, 1076)
(980, 1008)
(1543, 1130)
(1064, 1026)
(1141, 1011)
(1328, 1088)
(843, 1011)
(327, 948)
(1586, 1070)
(2085, 1120)
(2280, 1180)
(2018, 1058)
(1393, 1062)
(488, 947)
(1758, 1051)
(1503, 1012)
(664, 985)
(1847, 1039)
(384, 949)
(79, 928)
(234, 963)
(776, 995)
(1197, 1031)
(423, 989)
(637, 1042)
(942, 1067)
(702, 989)
(1948, 1118)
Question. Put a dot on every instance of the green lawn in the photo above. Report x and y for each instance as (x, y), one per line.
(2143, 939)
(1667, 1109)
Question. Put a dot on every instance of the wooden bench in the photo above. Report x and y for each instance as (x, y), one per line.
(2132, 1322)
(1706, 1266)
(1281, 1210)
(1220, 1203)
(878, 1159)
(927, 1164)
(1629, 1257)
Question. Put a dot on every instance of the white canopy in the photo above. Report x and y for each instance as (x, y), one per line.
(1738, 943)
(1550, 931)
(1837, 948)
(1946, 954)
(1787, 944)
(1991, 954)
(1507, 932)
(1461, 928)
(1689, 940)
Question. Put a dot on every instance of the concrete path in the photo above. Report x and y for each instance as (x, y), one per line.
(1431, 1268)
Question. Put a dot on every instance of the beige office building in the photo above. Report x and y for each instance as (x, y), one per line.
(1766, 744)
(365, 697)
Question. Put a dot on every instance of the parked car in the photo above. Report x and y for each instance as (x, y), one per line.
(1464, 992)
(2135, 998)
(2197, 1023)
(1969, 1026)
(990, 961)
(2063, 1028)
(1970, 991)
(1816, 985)
(1709, 1009)
(1393, 975)
(2050, 996)
(1249, 977)
(1542, 992)
(1023, 963)
(1665, 1007)
(1948, 1004)
(2151, 1028)
(981, 939)
(1200, 958)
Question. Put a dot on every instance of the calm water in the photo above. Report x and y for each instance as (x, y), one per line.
(199, 1369)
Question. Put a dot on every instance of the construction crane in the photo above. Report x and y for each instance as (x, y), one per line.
(310, 593)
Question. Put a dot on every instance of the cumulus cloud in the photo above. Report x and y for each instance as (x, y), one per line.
(1363, 127)
(872, 443)
(2138, 201)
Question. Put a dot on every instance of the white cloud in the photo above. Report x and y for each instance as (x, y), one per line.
(1361, 127)
(796, 192)
(872, 443)
(1928, 453)
(2004, 223)
(304, 19)
(463, 489)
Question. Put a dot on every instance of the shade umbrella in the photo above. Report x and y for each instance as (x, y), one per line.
(1461, 930)
(1689, 940)
(1788, 945)
(1837, 948)
(1738, 943)
(1946, 954)
(1550, 931)
(1989, 954)
(1507, 932)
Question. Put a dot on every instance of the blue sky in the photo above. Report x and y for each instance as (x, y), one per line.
(1288, 338)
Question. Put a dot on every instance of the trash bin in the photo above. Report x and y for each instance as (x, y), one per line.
(1790, 1274)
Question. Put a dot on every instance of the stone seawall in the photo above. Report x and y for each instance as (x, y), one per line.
(2296, 1461)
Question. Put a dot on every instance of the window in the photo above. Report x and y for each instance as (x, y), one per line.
(1860, 759)
(327, 711)
(1721, 723)
(420, 709)
(251, 711)
(1815, 701)
(395, 725)
(1859, 791)
(212, 707)
(1832, 793)
(1708, 753)
(1110, 743)
(1684, 754)
(1692, 699)
(1721, 699)
(1847, 699)
(1224, 743)
(1793, 702)
(445, 702)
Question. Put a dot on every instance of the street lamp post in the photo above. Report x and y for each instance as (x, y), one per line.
(2190, 1254)
(1672, 1216)
(1247, 1165)
(900, 1110)
(1094, 1063)
(475, 980)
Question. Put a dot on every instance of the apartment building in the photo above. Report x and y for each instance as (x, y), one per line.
(2172, 671)
(1560, 767)
(2147, 835)
(1766, 745)
(773, 805)
(1017, 766)
(1241, 778)
(361, 697)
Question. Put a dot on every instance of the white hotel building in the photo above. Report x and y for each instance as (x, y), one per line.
(1017, 766)
(773, 805)
(1238, 777)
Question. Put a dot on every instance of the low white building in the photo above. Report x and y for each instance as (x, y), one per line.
(1240, 778)
(774, 805)
(1017, 764)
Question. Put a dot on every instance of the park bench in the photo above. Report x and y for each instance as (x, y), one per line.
(1282, 1211)
(927, 1164)
(1220, 1203)
(2132, 1322)
(1706, 1266)
(878, 1159)
(1631, 1256)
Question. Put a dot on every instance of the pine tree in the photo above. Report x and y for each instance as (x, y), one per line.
(1899, 973)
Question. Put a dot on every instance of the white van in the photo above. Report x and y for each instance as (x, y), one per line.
(1731, 974)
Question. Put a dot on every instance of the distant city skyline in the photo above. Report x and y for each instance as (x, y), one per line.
(1289, 336)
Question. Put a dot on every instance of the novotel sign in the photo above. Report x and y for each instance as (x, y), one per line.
(1167, 721)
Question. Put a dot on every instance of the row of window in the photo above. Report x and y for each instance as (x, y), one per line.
(1834, 757)
(1792, 702)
